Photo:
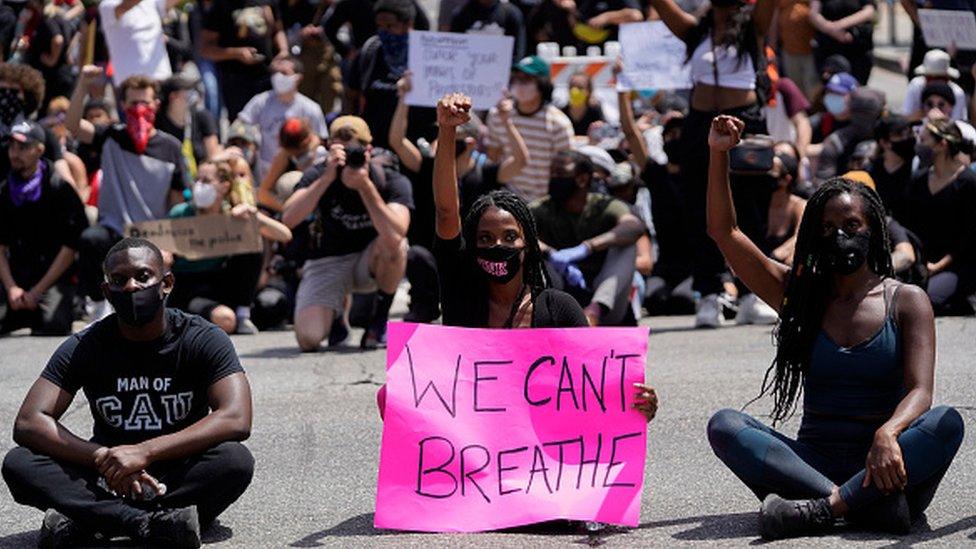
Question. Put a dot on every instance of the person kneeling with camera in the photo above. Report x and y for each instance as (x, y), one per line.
(360, 211)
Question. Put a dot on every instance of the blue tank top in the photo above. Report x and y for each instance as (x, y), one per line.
(867, 379)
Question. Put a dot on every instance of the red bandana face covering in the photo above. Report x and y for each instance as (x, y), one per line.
(139, 121)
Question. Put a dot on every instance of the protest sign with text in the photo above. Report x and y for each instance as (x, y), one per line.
(487, 429)
(477, 65)
(201, 236)
(943, 28)
(653, 58)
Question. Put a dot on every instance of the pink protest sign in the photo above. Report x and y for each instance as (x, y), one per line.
(488, 429)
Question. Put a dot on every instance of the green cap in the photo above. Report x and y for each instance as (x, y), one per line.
(533, 65)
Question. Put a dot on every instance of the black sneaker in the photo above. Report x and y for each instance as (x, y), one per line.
(178, 528)
(339, 332)
(373, 338)
(58, 530)
(888, 514)
(783, 518)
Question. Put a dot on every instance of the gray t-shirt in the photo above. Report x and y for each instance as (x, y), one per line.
(136, 187)
(268, 113)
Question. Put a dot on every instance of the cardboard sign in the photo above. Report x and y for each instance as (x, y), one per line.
(942, 28)
(476, 65)
(201, 236)
(653, 58)
(487, 429)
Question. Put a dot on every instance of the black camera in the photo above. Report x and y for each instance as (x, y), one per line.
(355, 157)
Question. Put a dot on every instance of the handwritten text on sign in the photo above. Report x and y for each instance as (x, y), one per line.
(201, 236)
(476, 65)
(942, 28)
(653, 58)
(488, 429)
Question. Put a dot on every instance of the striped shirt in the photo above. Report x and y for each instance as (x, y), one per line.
(546, 133)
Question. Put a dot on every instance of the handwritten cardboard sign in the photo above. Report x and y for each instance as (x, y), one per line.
(653, 58)
(942, 28)
(201, 236)
(476, 65)
(487, 429)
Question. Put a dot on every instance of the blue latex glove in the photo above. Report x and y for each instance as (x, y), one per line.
(574, 277)
(560, 259)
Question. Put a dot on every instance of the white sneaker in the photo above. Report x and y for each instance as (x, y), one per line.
(753, 310)
(98, 310)
(709, 313)
(245, 327)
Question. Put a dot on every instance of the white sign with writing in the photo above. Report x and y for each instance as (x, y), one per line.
(476, 65)
(942, 28)
(653, 58)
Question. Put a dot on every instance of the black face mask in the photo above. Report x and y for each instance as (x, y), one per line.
(846, 253)
(500, 263)
(672, 148)
(905, 149)
(561, 188)
(137, 308)
(11, 105)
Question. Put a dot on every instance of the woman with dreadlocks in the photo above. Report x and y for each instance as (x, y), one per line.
(501, 281)
(860, 345)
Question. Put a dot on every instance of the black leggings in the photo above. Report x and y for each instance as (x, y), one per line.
(233, 284)
(810, 466)
(707, 261)
(212, 481)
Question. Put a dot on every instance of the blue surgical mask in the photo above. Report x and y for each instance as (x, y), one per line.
(835, 104)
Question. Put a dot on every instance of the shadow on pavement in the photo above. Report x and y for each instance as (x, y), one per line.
(710, 527)
(359, 525)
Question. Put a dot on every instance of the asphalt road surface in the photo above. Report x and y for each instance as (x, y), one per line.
(316, 439)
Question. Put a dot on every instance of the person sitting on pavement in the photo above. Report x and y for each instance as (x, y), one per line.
(477, 176)
(41, 219)
(892, 166)
(357, 238)
(859, 344)
(143, 174)
(588, 240)
(170, 405)
(864, 108)
(938, 100)
(181, 117)
(493, 274)
(221, 289)
(583, 108)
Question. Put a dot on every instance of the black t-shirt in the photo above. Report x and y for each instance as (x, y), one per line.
(8, 24)
(47, 30)
(377, 82)
(499, 16)
(342, 224)
(593, 114)
(34, 232)
(142, 390)
(243, 24)
(362, 23)
(460, 282)
(944, 222)
(891, 187)
(201, 125)
(835, 10)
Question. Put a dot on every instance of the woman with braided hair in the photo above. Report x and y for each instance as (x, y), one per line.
(859, 345)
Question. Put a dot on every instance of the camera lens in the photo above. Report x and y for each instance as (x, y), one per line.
(355, 157)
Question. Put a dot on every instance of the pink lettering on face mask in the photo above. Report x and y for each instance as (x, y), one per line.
(494, 268)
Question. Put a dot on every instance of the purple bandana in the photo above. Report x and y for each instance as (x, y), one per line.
(21, 191)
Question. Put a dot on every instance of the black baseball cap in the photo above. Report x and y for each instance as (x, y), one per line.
(27, 132)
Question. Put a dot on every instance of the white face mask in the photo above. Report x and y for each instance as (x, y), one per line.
(283, 83)
(523, 92)
(204, 195)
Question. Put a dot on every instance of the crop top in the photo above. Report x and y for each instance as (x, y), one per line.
(733, 71)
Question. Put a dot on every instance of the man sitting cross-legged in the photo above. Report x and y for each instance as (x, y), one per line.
(170, 402)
